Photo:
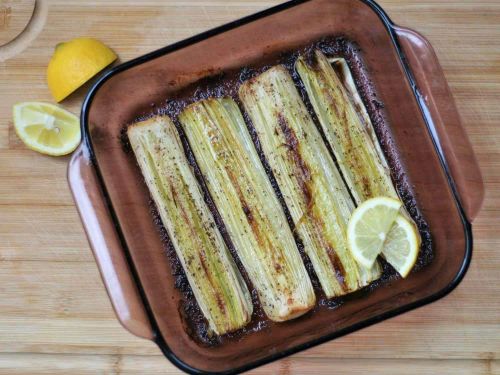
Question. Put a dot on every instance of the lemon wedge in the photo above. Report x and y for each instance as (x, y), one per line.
(368, 227)
(46, 128)
(74, 63)
(401, 246)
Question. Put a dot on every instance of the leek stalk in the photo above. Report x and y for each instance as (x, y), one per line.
(213, 276)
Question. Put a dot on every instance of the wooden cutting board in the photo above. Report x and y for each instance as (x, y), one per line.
(55, 317)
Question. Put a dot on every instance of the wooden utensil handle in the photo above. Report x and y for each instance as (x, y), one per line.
(444, 119)
(106, 245)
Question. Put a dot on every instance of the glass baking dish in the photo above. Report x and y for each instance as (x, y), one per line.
(113, 201)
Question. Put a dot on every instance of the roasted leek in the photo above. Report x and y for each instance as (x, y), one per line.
(347, 127)
(248, 206)
(318, 200)
(214, 278)
(360, 159)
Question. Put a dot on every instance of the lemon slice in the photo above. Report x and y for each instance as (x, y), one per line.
(368, 228)
(46, 128)
(401, 246)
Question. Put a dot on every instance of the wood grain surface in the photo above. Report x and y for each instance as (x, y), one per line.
(55, 316)
(14, 17)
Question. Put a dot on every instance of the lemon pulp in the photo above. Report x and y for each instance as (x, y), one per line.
(401, 246)
(368, 228)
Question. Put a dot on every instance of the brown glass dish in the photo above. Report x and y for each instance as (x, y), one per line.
(113, 201)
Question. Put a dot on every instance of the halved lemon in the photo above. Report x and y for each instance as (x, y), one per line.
(402, 245)
(46, 128)
(74, 63)
(368, 228)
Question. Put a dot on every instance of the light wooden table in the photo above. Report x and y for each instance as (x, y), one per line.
(55, 317)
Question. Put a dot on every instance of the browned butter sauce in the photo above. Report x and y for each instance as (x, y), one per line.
(227, 84)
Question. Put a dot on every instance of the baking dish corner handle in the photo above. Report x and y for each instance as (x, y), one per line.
(106, 246)
(451, 136)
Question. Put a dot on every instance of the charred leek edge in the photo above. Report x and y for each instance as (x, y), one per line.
(344, 73)
(363, 167)
(217, 284)
(348, 128)
(314, 192)
(248, 206)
